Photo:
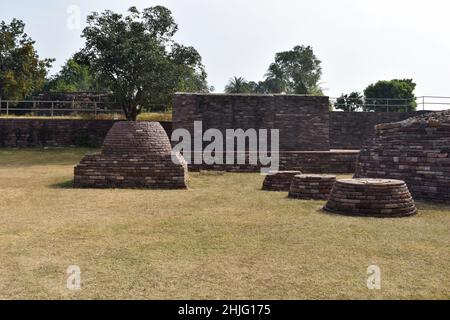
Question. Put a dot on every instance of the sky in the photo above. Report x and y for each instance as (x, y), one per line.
(359, 42)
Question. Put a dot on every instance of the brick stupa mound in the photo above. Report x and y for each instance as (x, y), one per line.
(416, 150)
(371, 197)
(279, 180)
(134, 155)
(311, 186)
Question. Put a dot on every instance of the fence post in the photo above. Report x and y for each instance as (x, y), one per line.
(423, 103)
(387, 105)
(52, 108)
(0, 106)
(95, 110)
(7, 107)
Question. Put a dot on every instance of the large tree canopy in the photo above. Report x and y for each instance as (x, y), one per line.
(137, 59)
(22, 73)
(295, 71)
(393, 95)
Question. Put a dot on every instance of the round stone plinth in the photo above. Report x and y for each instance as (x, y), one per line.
(311, 186)
(371, 197)
(279, 180)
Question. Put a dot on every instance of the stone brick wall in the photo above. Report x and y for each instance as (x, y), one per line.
(350, 130)
(416, 150)
(334, 161)
(56, 132)
(303, 121)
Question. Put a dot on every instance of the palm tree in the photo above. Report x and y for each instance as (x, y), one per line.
(276, 79)
(237, 85)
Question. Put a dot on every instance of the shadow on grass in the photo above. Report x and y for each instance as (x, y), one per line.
(62, 185)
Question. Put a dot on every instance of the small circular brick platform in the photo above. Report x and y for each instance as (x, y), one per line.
(279, 180)
(311, 186)
(371, 197)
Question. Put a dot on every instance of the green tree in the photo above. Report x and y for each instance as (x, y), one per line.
(350, 102)
(296, 71)
(239, 85)
(394, 95)
(74, 76)
(136, 57)
(22, 73)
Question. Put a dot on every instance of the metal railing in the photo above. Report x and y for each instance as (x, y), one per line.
(95, 108)
(62, 108)
(422, 103)
(56, 108)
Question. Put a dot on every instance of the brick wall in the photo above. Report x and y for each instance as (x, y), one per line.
(416, 150)
(56, 132)
(342, 161)
(350, 130)
(303, 121)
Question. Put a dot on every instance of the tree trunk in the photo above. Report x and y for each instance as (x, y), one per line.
(130, 111)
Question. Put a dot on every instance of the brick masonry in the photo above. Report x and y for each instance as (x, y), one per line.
(134, 155)
(371, 197)
(311, 186)
(350, 130)
(279, 180)
(416, 150)
(333, 161)
(303, 121)
(56, 132)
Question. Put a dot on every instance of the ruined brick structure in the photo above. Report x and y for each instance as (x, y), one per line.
(371, 197)
(311, 186)
(303, 121)
(134, 155)
(351, 130)
(416, 150)
(34, 132)
(333, 161)
(279, 180)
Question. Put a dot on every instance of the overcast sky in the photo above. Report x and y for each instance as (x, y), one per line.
(358, 42)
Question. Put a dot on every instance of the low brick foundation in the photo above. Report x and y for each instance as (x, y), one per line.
(311, 186)
(371, 197)
(333, 161)
(279, 181)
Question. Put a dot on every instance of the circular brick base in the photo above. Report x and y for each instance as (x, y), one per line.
(311, 186)
(279, 180)
(371, 197)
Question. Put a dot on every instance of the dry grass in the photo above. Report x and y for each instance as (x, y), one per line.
(223, 238)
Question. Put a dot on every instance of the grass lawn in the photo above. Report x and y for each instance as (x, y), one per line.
(223, 238)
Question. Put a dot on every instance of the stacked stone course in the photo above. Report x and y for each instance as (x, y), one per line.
(134, 155)
(303, 121)
(371, 197)
(279, 180)
(34, 132)
(311, 186)
(416, 150)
